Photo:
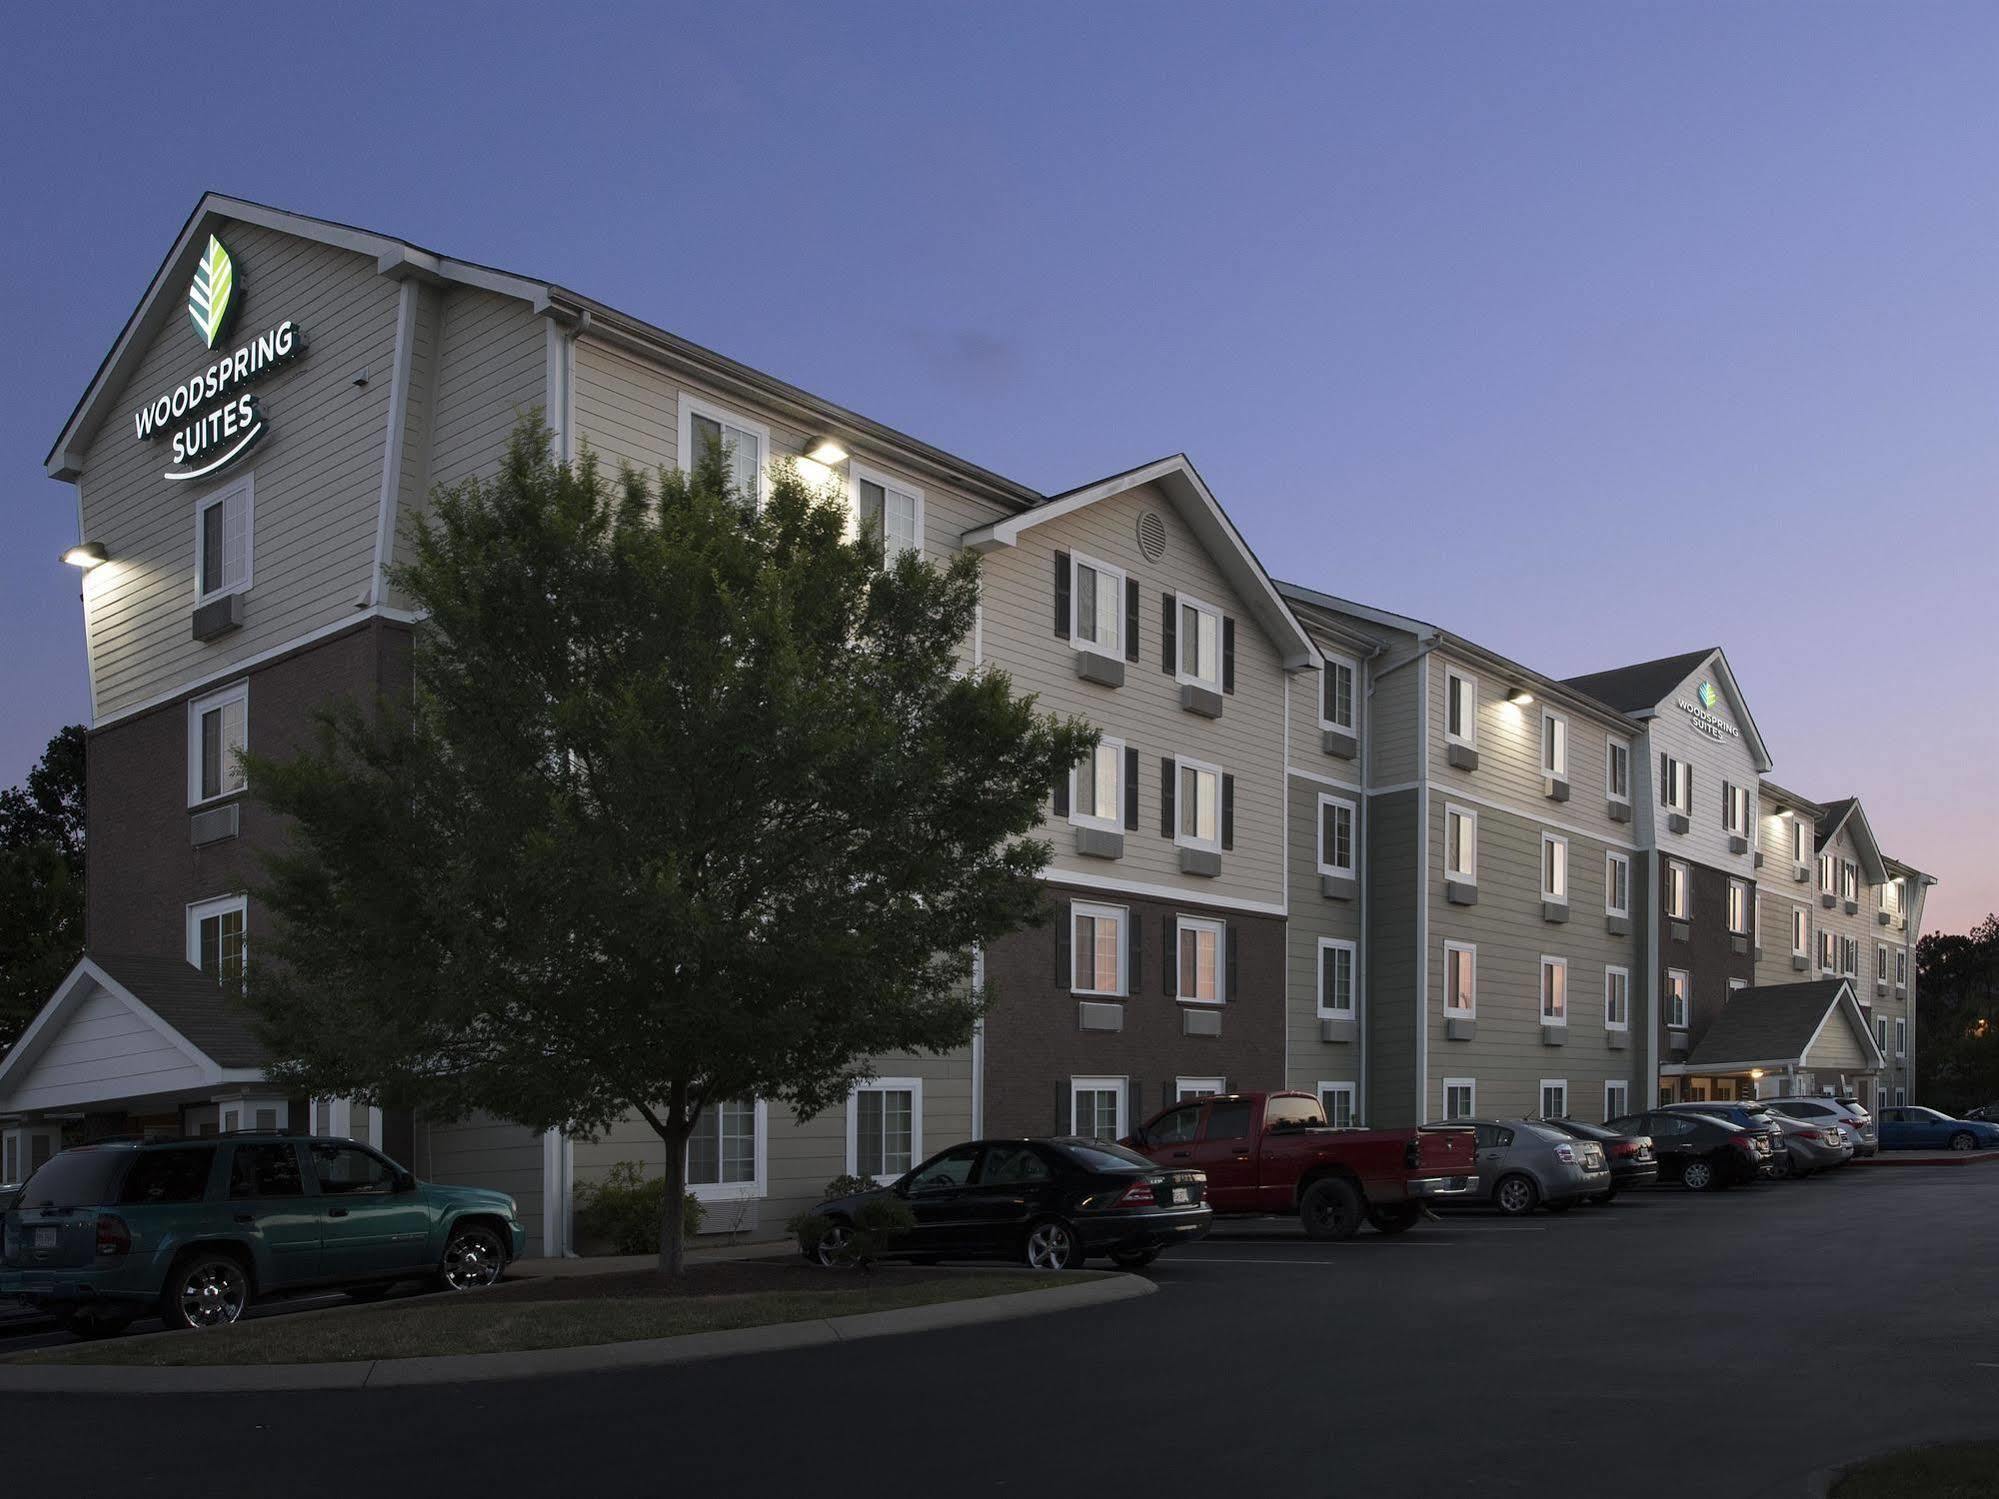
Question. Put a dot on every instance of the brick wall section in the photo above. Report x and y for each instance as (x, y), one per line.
(142, 872)
(1707, 955)
(1033, 1044)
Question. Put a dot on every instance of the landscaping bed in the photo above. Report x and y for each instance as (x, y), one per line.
(1962, 1470)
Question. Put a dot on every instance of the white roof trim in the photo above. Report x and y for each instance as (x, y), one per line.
(1197, 506)
(1717, 662)
(1858, 1020)
(1872, 863)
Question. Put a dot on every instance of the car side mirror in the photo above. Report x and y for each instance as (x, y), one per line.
(1138, 1137)
(406, 1182)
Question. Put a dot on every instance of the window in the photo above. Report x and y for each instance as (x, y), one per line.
(1096, 787)
(1881, 961)
(1197, 1087)
(1461, 708)
(350, 1171)
(222, 530)
(1460, 1098)
(1616, 1099)
(1554, 744)
(217, 735)
(1828, 874)
(1676, 785)
(743, 444)
(1677, 903)
(892, 508)
(1901, 1035)
(1849, 951)
(1828, 951)
(215, 942)
(1554, 868)
(1200, 642)
(1554, 1098)
(1849, 880)
(1881, 1031)
(1616, 884)
(1800, 846)
(1336, 960)
(1337, 1099)
(1098, 936)
(1175, 1126)
(1901, 968)
(954, 1168)
(1891, 897)
(1738, 908)
(1735, 808)
(1460, 979)
(1202, 960)
(725, 1152)
(885, 1127)
(1679, 999)
(1801, 927)
(1010, 1164)
(1617, 999)
(1096, 606)
(1199, 797)
(1460, 845)
(1617, 769)
(265, 1171)
(1336, 696)
(163, 1176)
(1336, 836)
(1554, 991)
(1096, 1107)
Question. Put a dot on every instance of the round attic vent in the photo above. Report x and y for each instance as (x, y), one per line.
(1151, 535)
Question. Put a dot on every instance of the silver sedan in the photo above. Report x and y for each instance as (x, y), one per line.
(1811, 1145)
(1523, 1164)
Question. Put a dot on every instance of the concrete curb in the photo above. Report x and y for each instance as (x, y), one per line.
(120, 1379)
(1928, 1158)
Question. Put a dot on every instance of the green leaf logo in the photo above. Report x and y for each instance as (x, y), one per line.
(208, 295)
(1709, 697)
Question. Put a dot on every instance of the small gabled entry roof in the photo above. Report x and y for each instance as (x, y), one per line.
(1639, 690)
(1175, 477)
(1775, 1025)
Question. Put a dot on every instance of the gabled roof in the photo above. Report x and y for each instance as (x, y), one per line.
(1789, 798)
(1846, 813)
(1176, 478)
(1774, 1025)
(1640, 689)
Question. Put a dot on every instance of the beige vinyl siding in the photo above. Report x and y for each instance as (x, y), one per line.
(493, 372)
(1837, 1049)
(627, 409)
(1507, 1054)
(1394, 901)
(1672, 732)
(486, 1152)
(1394, 722)
(1309, 1060)
(317, 476)
(104, 1050)
(1774, 904)
(1307, 700)
(1247, 741)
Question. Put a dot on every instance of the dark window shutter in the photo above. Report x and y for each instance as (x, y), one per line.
(1665, 766)
(1228, 959)
(1169, 956)
(1166, 780)
(1169, 624)
(1727, 794)
(1062, 595)
(1130, 789)
(1131, 619)
(1062, 794)
(1228, 654)
(1169, 1093)
(1133, 945)
(1228, 811)
(1326, 694)
(1063, 1103)
(1065, 929)
(1690, 787)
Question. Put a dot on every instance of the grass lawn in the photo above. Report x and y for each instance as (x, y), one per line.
(1964, 1470)
(497, 1323)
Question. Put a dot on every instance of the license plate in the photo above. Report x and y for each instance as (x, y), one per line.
(1180, 1194)
(45, 1238)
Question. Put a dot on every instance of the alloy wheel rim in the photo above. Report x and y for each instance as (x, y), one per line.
(1960, 1142)
(1697, 1174)
(1513, 1196)
(470, 1263)
(1048, 1247)
(833, 1247)
(212, 1295)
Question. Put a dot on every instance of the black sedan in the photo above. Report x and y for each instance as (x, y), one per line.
(1048, 1203)
(1632, 1163)
(1697, 1150)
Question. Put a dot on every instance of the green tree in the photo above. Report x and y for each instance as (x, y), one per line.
(692, 805)
(1957, 1016)
(41, 881)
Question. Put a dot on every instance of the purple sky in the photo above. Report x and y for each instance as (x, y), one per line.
(1483, 313)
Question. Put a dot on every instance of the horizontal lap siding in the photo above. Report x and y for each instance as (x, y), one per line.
(1394, 899)
(1672, 732)
(105, 1045)
(486, 1152)
(1310, 1060)
(493, 372)
(317, 475)
(627, 410)
(1394, 722)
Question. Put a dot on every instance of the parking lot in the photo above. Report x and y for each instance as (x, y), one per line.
(1667, 1344)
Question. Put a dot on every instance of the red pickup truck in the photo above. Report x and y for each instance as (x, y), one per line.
(1275, 1153)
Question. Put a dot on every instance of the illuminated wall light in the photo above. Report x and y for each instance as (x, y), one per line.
(87, 555)
(825, 450)
(1520, 697)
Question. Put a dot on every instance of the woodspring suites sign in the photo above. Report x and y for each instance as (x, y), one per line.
(213, 418)
(1704, 721)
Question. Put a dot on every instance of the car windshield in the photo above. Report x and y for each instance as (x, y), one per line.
(75, 1179)
(1095, 1155)
(1541, 1131)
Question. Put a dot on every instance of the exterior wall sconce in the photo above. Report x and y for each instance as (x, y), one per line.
(825, 450)
(87, 555)
(1520, 697)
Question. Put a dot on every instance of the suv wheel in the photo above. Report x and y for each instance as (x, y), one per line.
(208, 1288)
(1331, 1209)
(473, 1258)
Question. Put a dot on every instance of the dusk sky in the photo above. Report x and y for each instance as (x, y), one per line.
(1594, 332)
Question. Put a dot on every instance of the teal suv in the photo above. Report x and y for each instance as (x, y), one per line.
(196, 1229)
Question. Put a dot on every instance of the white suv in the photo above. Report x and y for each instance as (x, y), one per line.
(1851, 1116)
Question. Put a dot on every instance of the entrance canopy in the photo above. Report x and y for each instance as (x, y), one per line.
(1793, 1031)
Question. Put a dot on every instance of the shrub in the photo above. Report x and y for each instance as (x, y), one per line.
(845, 1185)
(623, 1209)
(876, 1225)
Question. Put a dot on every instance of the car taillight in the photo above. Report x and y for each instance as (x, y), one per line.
(1747, 1145)
(1809, 1134)
(1138, 1195)
(1624, 1148)
(1412, 1154)
(1566, 1153)
(113, 1237)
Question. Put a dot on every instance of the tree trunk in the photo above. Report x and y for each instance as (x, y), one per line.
(672, 1212)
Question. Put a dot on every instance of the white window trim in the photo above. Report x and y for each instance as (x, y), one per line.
(1560, 896)
(692, 406)
(1618, 1085)
(1351, 1092)
(1353, 696)
(1470, 817)
(246, 483)
(1099, 910)
(1469, 739)
(1344, 871)
(1541, 996)
(1686, 890)
(1679, 786)
(1611, 859)
(1189, 840)
(755, 1187)
(200, 911)
(1611, 743)
(1613, 970)
(235, 692)
(1748, 911)
(910, 1085)
(1558, 723)
(1686, 997)
(1187, 1089)
(1180, 673)
(1801, 931)
(1115, 822)
(1101, 1085)
(1541, 1097)
(856, 473)
(1470, 952)
(1103, 570)
(1352, 950)
(1470, 1085)
(1221, 931)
